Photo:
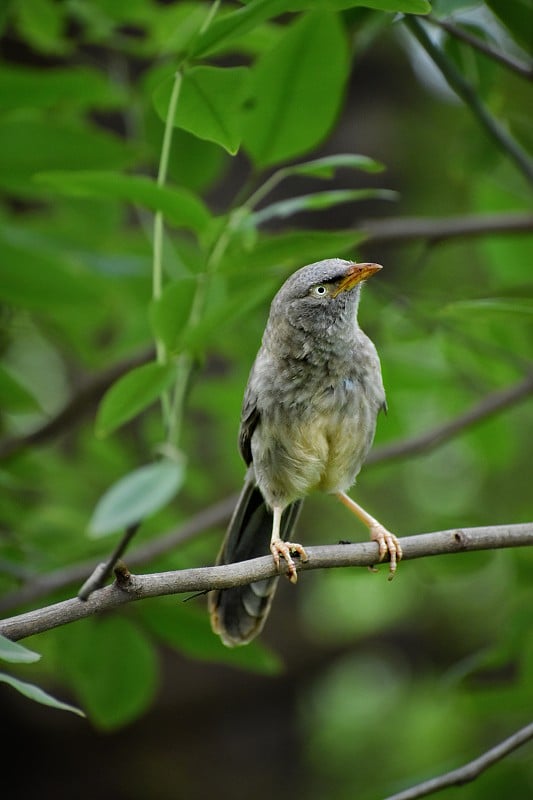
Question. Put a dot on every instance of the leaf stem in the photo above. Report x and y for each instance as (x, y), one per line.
(185, 361)
(157, 263)
(161, 179)
(210, 17)
(266, 187)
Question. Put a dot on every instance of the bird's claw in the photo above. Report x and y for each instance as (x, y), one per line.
(388, 545)
(282, 549)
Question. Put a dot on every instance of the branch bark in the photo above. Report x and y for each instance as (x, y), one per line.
(505, 59)
(438, 229)
(41, 585)
(470, 771)
(217, 514)
(455, 79)
(128, 587)
(489, 405)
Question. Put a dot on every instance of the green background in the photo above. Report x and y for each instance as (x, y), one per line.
(358, 687)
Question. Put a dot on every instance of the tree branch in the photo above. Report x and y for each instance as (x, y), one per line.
(470, 771)
(42, 585)
(499, 135)
(104, 570)
(220, 512)
(437, 229)
(489, 405)
(129, 587)
(506, 60)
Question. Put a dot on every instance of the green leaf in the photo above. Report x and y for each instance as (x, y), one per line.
(179, 206)
(292, 249)
(226, 313)
(42, 22)
(489, 306)
(36, 280)
(327, 166)
(16, 653)
(136, 497)
(171, 28)
(28, 146)
(14, 397)
(445, 8)
(405, 6)
(315, 202)
(169, 315)
(79, 87)
(516, 16)
(210, 103)
(187, 630)
(399, 6)
(111, 666)
(204, 163)
(38, 695)
(131, 394)
(235, 24)
(298, 87)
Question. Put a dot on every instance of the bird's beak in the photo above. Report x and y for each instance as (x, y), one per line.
(355, 274)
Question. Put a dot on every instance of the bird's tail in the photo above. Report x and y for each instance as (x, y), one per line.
(238, 614)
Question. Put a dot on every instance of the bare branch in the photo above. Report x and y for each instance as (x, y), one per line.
(137, 587)
(506, 60)
(42, 585)
(104, 570)
(437, 229)
(81, 403)
(489, 405)
(492, 126)
(470, 771)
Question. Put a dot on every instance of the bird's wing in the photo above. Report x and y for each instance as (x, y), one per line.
(249, 420)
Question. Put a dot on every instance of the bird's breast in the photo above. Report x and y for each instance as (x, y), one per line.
(320, 444)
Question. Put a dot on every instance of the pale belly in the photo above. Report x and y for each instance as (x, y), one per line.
(322, 453)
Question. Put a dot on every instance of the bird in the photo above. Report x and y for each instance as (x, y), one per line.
(308, 421)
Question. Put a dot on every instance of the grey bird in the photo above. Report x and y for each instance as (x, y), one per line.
(308, 421)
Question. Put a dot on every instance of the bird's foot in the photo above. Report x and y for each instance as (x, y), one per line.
(281, 549)
(388, 544)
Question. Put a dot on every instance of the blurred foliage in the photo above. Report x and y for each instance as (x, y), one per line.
(164, 166)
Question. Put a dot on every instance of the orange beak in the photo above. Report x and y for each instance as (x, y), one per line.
(355, 274)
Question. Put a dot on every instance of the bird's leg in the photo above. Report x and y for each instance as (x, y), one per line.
(284, 549)
(387, 541)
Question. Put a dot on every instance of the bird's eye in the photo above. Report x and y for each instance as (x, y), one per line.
(319, 291)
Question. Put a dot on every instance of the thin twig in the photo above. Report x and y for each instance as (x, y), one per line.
(220, 512)
(103, 571)
(469, 96)
(42, 585)
(470, 771)
(506, 60)
(158, 238)
(439, 229)
(457, 540)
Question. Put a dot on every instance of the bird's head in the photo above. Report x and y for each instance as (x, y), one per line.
(322, 295)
